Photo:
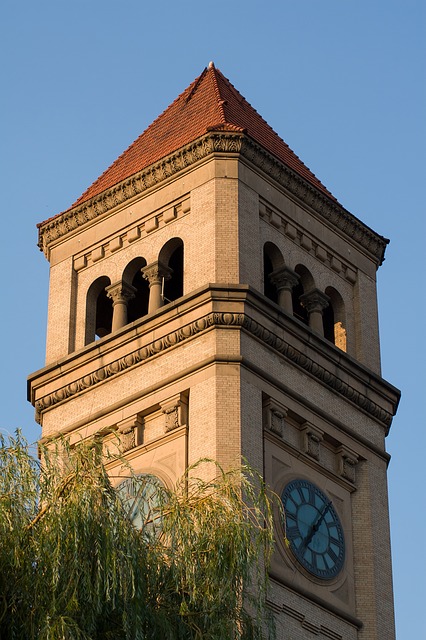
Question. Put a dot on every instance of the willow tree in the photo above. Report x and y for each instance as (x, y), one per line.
(73, 566)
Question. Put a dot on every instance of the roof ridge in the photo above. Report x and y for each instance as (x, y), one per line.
(210, 102)
(221, 102)
(242, 100)
(195, 85)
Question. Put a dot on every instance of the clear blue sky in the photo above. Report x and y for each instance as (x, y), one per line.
(343, 82)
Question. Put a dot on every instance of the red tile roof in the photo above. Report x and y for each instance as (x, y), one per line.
(211, 102)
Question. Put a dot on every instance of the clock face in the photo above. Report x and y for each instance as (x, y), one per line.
(313, 529)
(141, 497)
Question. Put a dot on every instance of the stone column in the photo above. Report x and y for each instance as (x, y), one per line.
(120, 294)
(284, 279)
(315, 302)
(155, 273)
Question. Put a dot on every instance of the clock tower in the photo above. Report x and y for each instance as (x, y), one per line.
(209, 297)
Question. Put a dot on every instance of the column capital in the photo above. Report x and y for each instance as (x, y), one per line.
(314, 300)
(120, 292)
(155, 272)
(284, 278)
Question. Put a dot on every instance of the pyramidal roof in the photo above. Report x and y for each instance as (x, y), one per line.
(210, 103)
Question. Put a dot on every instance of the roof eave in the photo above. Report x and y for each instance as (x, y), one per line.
(216, 141)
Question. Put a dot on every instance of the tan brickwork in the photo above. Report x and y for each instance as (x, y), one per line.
(60, 311)
(197, 377)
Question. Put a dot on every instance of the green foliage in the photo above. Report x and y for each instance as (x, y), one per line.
(73, 567)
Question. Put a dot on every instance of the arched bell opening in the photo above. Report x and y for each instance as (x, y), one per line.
(334, 319)
(137, 307)
(272, 260)
(98, 310)
(172, 256)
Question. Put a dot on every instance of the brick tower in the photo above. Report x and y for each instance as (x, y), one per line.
(210, 297)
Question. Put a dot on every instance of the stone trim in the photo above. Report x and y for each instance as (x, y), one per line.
(175, 412)
(348, 461)
(309, 244)
(239, 320)
(274, 416)
(214, 142)
(154, 222)
(312, 438)
(130, 432)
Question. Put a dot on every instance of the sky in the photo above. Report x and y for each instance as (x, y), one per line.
(343, 82)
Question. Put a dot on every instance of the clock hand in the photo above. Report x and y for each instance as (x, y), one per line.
(316, 525)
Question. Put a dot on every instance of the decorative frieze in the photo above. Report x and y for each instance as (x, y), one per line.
(325, 376)
(214, 142)
(308, 243)
(135, 233)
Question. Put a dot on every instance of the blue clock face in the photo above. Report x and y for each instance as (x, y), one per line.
(141, 496)
(313, 529)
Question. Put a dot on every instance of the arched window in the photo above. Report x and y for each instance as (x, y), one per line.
(171, 256)
(272, 260)
(334, 319)
(98, 310)
(137, 306)
(306, 283)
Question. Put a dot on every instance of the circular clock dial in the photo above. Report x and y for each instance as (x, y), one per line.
(141, 497)
(313, 529)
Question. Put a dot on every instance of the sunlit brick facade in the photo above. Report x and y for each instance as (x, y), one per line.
(209, 297)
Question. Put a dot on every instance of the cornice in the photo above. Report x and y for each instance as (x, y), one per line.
(330, 210)
(214, 142)
(215, 319)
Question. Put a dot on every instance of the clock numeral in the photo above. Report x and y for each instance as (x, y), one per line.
(334, 532)
(308, 555)
(290, 507)
(335, 550)
(293, 532)
(298, 496)
(333, 557)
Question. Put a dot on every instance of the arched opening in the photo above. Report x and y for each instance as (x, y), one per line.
(272, 260)
(137, 307)
(306, 283)
(171, 256)
(98, 310)
(334, 319)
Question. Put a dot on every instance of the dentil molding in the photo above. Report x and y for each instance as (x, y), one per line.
(213, 142)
